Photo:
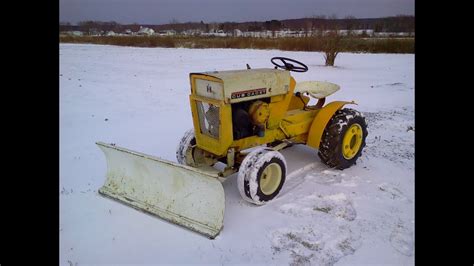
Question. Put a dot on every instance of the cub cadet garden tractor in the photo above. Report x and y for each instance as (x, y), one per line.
(233, 111)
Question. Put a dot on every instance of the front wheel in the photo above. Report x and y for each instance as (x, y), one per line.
(189, 154)
(184, 150)
(261, 176)
(343, 139)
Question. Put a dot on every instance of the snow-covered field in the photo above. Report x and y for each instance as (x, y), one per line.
(138, 99)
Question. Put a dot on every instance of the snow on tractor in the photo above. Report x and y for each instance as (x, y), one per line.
(234, 111)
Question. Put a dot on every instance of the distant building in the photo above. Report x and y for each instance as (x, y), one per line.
(393, 34)
(145, 31)
(219, 33)
(95, 32)
(238, 33)
(366, 32)
(192, 32)
(74, 33)
(167, 32)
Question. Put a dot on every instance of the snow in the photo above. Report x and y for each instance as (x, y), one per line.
(138, 99)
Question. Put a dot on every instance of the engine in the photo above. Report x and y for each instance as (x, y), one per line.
(250, 118)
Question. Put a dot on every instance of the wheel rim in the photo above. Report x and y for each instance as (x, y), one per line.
(270, 178)
(352, 141)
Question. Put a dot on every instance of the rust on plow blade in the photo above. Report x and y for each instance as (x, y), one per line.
(183, 195)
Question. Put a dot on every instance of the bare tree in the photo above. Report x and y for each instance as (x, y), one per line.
(350, 24)
(174, 21)
(331, 46)
(308, 26)
(319, 24)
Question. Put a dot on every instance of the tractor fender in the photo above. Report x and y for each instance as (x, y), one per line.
(321, 120)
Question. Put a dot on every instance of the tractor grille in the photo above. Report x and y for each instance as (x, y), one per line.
(208, 119)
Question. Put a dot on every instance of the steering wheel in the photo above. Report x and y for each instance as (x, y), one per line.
(288, 66)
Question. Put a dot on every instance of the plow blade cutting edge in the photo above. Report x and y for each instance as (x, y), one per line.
(181, 194)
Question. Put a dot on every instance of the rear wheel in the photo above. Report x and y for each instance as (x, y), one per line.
(343, 139)
(261, 176)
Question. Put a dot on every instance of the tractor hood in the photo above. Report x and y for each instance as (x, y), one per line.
(245, 85)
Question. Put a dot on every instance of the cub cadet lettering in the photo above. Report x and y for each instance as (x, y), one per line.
(249, 93)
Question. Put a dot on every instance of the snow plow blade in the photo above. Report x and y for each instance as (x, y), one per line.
(183, 195)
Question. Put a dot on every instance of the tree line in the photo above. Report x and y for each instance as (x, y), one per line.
(399, 23)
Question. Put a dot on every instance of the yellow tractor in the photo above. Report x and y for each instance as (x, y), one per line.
(242, 118)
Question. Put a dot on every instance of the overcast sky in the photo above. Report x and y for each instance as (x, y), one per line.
(163, 11)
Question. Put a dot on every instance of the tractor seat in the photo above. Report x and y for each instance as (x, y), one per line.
(316, 89)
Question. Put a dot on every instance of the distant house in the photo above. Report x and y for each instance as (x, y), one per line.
(238, 33)
(95, 32)
(213, 32)
(393, 34)
(145, 31)
(167, 32)
(366, 32)
(190, 32)
(74, 33)
(110, 33)
(220, 33)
